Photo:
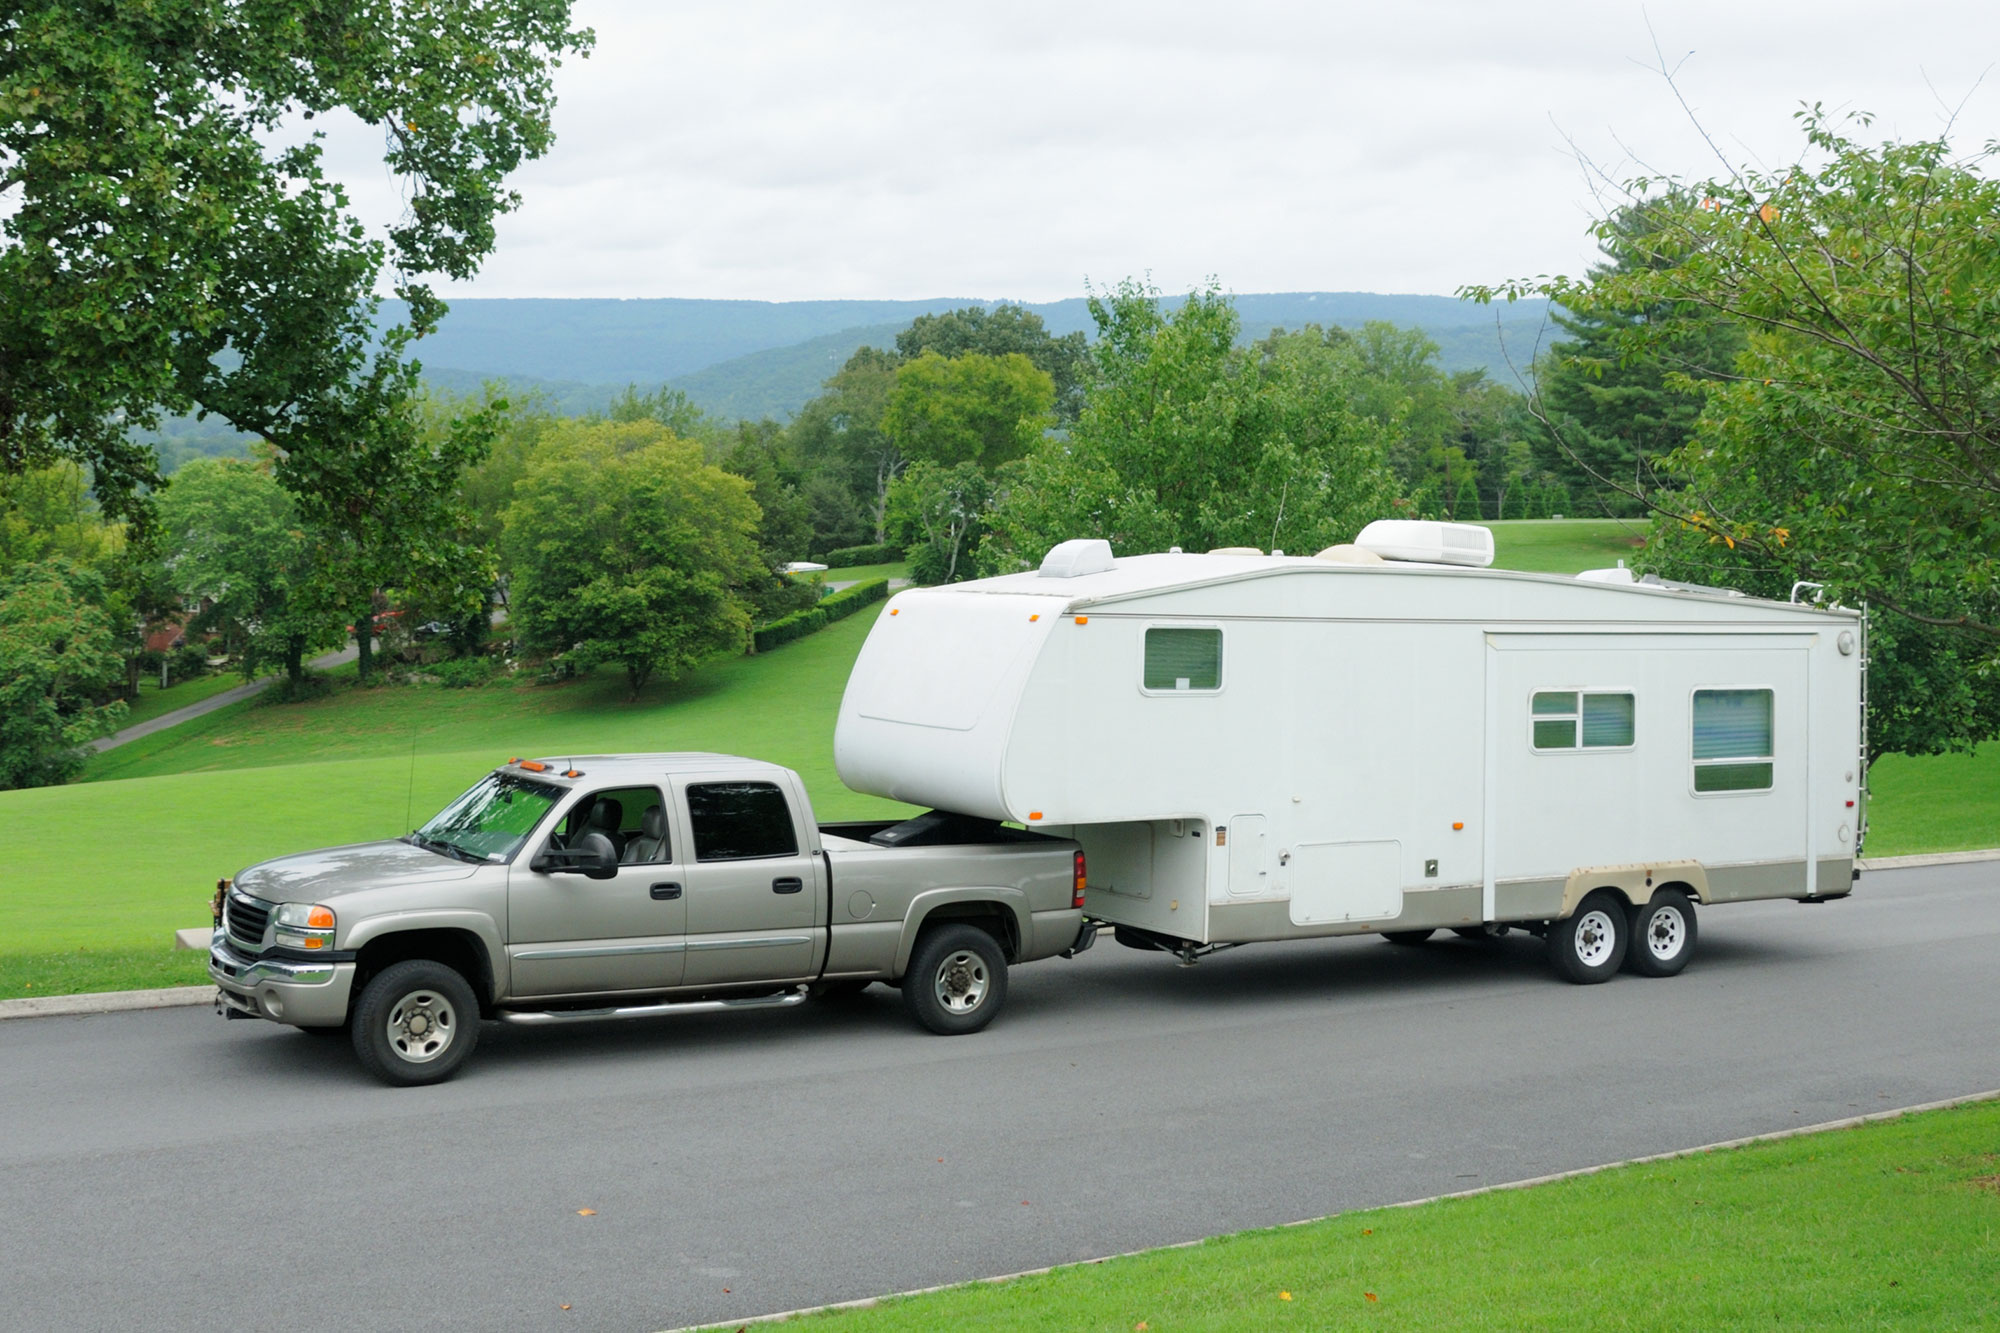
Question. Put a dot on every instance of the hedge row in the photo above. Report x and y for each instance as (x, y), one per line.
(801, 623)
(847, 557)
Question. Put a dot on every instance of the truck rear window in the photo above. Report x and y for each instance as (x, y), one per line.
(735, 821)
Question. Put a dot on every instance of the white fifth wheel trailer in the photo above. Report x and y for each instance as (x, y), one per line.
(1269, 747)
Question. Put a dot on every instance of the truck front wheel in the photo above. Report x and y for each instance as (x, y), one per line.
(416, 1023)
(957, 980)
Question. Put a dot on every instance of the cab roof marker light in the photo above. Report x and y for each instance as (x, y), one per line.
(534, 765)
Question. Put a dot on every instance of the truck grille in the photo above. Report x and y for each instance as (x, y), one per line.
(245, 920)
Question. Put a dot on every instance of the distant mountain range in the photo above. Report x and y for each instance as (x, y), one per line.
(766, 359)
(755, 359)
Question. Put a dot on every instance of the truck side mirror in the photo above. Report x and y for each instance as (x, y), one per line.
(592, 855)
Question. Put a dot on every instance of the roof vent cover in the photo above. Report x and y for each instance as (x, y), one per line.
(1075, 558)
(1428, 542)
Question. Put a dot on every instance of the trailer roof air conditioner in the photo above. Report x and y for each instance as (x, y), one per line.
(1428, 542)
(1075, 558)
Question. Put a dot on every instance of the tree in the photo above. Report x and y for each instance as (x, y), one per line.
(1186, 439)
(937, 515)
(156, 256)
(58, 655)
(1857, 442)
(626, 547)
(230, 541)
(840, 433)
(1623, 391)
(974, 408)
(1004, 329)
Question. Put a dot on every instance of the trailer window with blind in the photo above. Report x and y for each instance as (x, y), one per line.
(1733, 744)
(1564, 720)
(1182, 660)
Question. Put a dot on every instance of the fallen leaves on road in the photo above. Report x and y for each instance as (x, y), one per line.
(586, 1212)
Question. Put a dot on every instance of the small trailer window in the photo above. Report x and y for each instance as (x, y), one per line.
(1732, 740)
(1179, 660)
(1580, 719)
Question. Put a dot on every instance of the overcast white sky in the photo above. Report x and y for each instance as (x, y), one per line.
(781, 151)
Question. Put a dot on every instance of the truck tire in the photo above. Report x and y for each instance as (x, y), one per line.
(1663, 935)
(416, 1023)
(1407, 936)
(1589, 946)
(957, 980)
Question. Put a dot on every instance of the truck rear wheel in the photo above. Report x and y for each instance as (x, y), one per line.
(1589, 946)
(957, 980)
(416, 1023)
(1663, 934)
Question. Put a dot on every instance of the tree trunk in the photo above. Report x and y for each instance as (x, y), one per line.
(364, 639)
(295, 663)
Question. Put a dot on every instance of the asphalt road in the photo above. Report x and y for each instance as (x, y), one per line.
(167, 1170)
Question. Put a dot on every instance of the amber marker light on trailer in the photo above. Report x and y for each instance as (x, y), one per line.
(1083, 620)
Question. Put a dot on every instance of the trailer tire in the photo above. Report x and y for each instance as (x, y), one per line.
(1407, 937)
(1663, 935)
(416, 1023)
(957, 980)
(1590, 944)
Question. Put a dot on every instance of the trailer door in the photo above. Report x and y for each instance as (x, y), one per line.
(1620, 748)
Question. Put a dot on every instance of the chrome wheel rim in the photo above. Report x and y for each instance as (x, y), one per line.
(1666, 933)
(421, 1026)
(961, 982)
(1596, 936)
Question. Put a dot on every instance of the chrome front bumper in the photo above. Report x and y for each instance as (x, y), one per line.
(302, 993)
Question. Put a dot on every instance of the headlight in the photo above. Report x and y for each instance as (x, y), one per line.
(303, 926)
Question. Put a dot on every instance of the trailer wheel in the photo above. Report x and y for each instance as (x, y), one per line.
(1407, 936)
(1663, 935)
(957, 980)
(416, 1023)
(1589, 946)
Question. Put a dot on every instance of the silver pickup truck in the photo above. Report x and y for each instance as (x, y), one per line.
(616, 886)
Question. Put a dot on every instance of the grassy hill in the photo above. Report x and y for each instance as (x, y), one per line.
(99, 873)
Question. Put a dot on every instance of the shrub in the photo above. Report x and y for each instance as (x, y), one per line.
(847, 557)
(311, 685)
(801, 623)
(462, 673)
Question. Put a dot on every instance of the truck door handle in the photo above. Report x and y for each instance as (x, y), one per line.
(666, 891)
(789, 884)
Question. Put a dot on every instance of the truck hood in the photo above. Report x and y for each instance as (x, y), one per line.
(317, 877)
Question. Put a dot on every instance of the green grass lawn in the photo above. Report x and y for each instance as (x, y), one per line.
(860, 573)
(1892, 1225)
(1938, 803)
(1565, 546)
(99, 874)
(153, 700)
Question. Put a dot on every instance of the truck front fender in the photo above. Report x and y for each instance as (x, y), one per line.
(462, 920)
(1009, 903)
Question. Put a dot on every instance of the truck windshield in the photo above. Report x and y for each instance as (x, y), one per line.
(489, 822)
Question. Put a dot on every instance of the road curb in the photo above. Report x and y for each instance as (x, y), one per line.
(1827, 1126)
(106, 1002)
(1927, 859)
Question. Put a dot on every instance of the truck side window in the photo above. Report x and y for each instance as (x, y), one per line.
(1180, 659)
(735, 821)
(1732, 740)
(1582, 719)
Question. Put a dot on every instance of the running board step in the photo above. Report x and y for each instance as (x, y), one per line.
(545, 1017)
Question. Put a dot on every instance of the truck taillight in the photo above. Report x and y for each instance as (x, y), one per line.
(1076, 900)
